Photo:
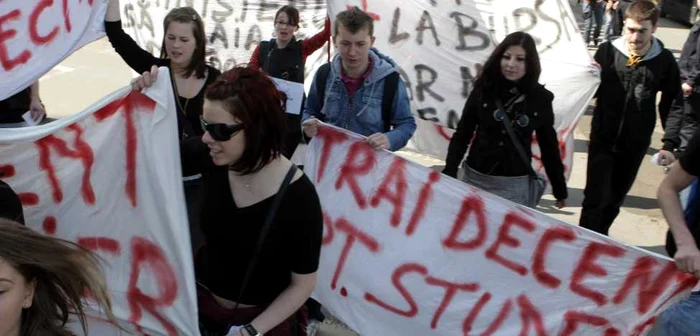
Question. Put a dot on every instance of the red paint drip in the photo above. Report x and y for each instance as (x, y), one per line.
(28, 198)
(49, 225)
(66, 16)
(82, 152)
(440, 130)
(128, 103)
(344, 292)
(106, 244)
(7, 171)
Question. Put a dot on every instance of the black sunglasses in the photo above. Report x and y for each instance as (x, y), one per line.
(220, 132)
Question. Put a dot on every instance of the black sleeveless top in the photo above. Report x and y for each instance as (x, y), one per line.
(286, 63)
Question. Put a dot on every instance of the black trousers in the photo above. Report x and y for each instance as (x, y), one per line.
(691, 118)
(609, 178)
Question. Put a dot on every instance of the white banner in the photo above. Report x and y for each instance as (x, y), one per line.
(109, 178)
(37, 35)
(408, 251)
(441, 47)
(233, 27)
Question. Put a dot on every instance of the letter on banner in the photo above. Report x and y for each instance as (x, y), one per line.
(476, 261)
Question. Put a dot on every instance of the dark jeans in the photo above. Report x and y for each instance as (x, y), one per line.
(690, 106)
(593, 14)
(681, 319)
(691, 209)
(192, 190)
(609, 178)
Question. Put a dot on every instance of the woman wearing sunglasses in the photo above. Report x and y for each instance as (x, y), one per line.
(508, 93)
(250, 278)
(284, 57)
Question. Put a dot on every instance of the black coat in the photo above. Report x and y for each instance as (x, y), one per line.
(689, 62)
(625, 112)
(685, 113)
(492, 151)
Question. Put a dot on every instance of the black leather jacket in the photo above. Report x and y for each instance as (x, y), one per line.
(684, 117)
(493, 152)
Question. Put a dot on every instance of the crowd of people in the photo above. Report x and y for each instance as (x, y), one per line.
(255, 274)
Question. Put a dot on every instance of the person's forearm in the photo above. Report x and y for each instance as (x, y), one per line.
(112, 11)
(670, 204)
(34, 89)
(399, 136)
(284, 306)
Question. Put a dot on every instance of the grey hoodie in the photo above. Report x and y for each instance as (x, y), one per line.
(655, 50)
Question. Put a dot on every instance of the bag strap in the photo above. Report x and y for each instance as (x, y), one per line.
(391, 83)
(518, 145)
(321, 80)
(263, 232)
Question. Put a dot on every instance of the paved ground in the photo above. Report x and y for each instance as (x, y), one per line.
(95, 70)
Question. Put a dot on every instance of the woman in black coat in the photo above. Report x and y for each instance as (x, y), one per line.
(510, 77)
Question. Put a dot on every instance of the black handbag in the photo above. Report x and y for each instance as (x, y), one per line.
(536, 183)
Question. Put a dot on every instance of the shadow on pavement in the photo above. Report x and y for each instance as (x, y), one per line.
(576, 198)
(580, 146)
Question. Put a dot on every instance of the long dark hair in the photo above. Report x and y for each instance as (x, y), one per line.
(198, 64)
(491, 77)
(63, 273)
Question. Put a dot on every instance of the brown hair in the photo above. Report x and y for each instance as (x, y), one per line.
(198, 64)
(292, 14)
(354, 20)
(643, 10)
(251, 97)
(63, 272)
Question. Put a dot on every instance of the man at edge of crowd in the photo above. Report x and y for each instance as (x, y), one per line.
(633, 69)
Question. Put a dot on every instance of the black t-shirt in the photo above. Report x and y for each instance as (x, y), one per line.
(12, 108)
(293, 243)
(141, 61)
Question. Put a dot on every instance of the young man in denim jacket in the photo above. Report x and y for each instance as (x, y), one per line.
(355, 85)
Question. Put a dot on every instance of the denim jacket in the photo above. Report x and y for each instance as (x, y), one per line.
(362, 112)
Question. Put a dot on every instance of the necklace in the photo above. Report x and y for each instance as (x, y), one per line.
(246, 182)
(245, 179)
(183, 109)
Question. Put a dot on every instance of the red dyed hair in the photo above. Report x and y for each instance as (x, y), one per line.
(252, 98)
